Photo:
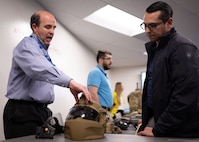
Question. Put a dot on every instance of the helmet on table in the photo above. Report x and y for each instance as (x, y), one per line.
(85, 121)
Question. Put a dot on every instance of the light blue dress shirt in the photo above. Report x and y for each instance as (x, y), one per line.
(32, 74)
(97, 77)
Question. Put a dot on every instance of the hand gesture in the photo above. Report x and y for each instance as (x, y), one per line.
(77, 88)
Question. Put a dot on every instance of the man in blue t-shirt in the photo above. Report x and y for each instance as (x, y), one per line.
(98, 83)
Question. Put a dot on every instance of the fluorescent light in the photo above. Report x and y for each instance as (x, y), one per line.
(116, 20)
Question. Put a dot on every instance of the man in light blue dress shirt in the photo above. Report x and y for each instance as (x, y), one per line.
(31, 80)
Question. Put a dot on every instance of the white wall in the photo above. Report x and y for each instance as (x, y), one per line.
(67, 53)
(129, 77)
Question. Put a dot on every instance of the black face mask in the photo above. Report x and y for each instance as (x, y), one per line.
(48, 130)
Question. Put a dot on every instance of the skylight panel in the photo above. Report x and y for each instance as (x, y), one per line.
(117, 20)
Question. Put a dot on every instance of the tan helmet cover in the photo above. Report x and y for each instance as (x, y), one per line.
(84, 129)
(135, 101)
(81, 129)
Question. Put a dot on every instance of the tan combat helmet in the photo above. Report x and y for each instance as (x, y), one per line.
(85, 121)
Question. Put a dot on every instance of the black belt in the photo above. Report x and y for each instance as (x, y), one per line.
(29, 102)
(106, 108)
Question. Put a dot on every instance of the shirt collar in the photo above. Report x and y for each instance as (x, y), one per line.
(39, 40)
(102, 70)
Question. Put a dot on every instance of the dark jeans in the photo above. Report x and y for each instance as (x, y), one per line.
(121, 111)
(21, 118)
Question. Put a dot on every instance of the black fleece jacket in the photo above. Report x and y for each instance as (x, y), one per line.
(175, 87)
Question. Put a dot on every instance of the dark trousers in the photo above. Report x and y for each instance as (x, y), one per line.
(120, 111)
(21, 118)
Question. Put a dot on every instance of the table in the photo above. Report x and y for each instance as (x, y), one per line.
(107, 138)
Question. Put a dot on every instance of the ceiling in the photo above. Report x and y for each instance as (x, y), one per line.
(127, 51)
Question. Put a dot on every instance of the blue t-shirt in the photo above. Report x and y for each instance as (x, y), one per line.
(97, 77)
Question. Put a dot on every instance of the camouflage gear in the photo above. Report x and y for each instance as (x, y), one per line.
(91, 121)
(135, 101)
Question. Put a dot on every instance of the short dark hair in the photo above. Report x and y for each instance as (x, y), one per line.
(163, 7)
(102, 54)
(35, 18)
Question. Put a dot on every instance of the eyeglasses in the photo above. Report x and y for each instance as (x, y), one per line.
(151, 26)
(107, 58)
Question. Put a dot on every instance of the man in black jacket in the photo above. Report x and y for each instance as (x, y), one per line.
(171, 90)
